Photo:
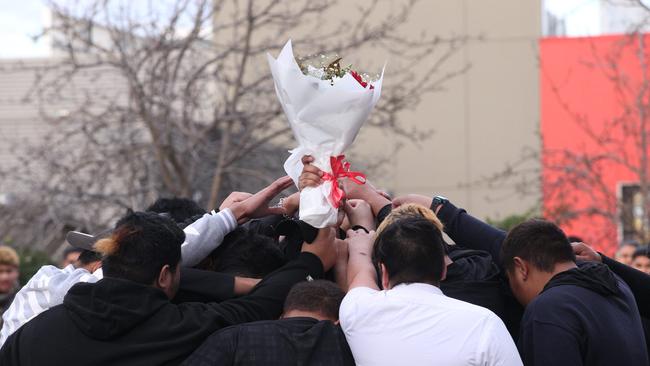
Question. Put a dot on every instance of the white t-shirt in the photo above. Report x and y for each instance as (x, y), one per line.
(416, 324)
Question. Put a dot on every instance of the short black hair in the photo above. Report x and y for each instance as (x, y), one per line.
(245, 253)
(179, 209)
(641, 252)
(321, 296)
(88, 256)
(538, 241)
(412, 249)
(141, 244)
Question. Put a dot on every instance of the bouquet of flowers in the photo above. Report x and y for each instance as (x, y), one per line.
(326, 105)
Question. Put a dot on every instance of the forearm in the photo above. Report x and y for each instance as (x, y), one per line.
(267, 298)
(204, 235)
(360, 271)
(638, 282)
(376, 202)
(244, 285)
(341, 270)
(204, 286)
(470, 232)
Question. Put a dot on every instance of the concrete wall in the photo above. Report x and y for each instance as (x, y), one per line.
(484, 119)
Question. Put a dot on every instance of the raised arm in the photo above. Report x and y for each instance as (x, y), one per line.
(361, 271)
(207, 233)
(638, 281)
(464, 229)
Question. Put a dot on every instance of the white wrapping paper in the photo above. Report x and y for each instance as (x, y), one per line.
(325, 120)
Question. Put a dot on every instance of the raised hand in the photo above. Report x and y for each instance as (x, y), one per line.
(360, 242)
(257, 205)
(291, 204)
(359, 213)
(311, 175)
(584, 252)
(233, 198)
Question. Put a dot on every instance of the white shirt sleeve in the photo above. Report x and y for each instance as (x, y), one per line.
(497, 347)
(44, 290)
(354, 306)
(205, 235)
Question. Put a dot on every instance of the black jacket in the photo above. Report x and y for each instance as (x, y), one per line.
(469, 232)
(286, 342)
(119, 322)
(474, 277)
(584, 316)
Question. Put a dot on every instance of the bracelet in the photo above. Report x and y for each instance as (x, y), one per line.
(357, 227)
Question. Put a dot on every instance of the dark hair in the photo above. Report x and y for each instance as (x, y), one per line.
(245, 253)
(179, 209)
(574, 239)
(538, 241)
(641, 252)
(70, 250)
(321, 296)
(141, 244)
(88, 256)
(412, 251)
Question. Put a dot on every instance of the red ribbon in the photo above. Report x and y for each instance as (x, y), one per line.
(341, 169)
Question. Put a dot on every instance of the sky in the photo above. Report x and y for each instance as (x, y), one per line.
(21, 20)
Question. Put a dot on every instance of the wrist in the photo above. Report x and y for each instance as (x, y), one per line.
(437, 202)
(238, 211)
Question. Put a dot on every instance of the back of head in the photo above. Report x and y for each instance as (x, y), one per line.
(87, 257)
(540, 242)
(246, 253)
(179, 209)
(319, 297)
(410, 210)
(412, 251)
(141, 244)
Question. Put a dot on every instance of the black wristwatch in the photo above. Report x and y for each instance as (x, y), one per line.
(437, 202)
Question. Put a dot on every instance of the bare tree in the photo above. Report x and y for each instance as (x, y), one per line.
(175, 98)
(616, 143)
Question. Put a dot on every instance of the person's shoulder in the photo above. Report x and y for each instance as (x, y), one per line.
(359, 294)
(467, 308)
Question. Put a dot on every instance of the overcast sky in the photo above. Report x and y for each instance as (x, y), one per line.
(20, 20)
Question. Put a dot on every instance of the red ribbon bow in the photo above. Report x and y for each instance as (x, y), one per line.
(341, 169)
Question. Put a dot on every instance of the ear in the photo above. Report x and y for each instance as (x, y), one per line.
(444, 273)
(521, 267)
(385, 281)
(95, 266)
(165, 278)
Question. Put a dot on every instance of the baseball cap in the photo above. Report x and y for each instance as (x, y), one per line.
(86, 241)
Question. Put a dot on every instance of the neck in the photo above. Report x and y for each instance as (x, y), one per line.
(448, 261)
(559, 268)
(564, 266)
(304, 314)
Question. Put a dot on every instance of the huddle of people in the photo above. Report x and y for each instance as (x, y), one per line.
(251, 284)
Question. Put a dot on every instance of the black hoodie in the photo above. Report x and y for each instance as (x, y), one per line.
(583, 316)
(119, 322)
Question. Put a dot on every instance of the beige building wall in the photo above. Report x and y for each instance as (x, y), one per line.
(484, 120)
